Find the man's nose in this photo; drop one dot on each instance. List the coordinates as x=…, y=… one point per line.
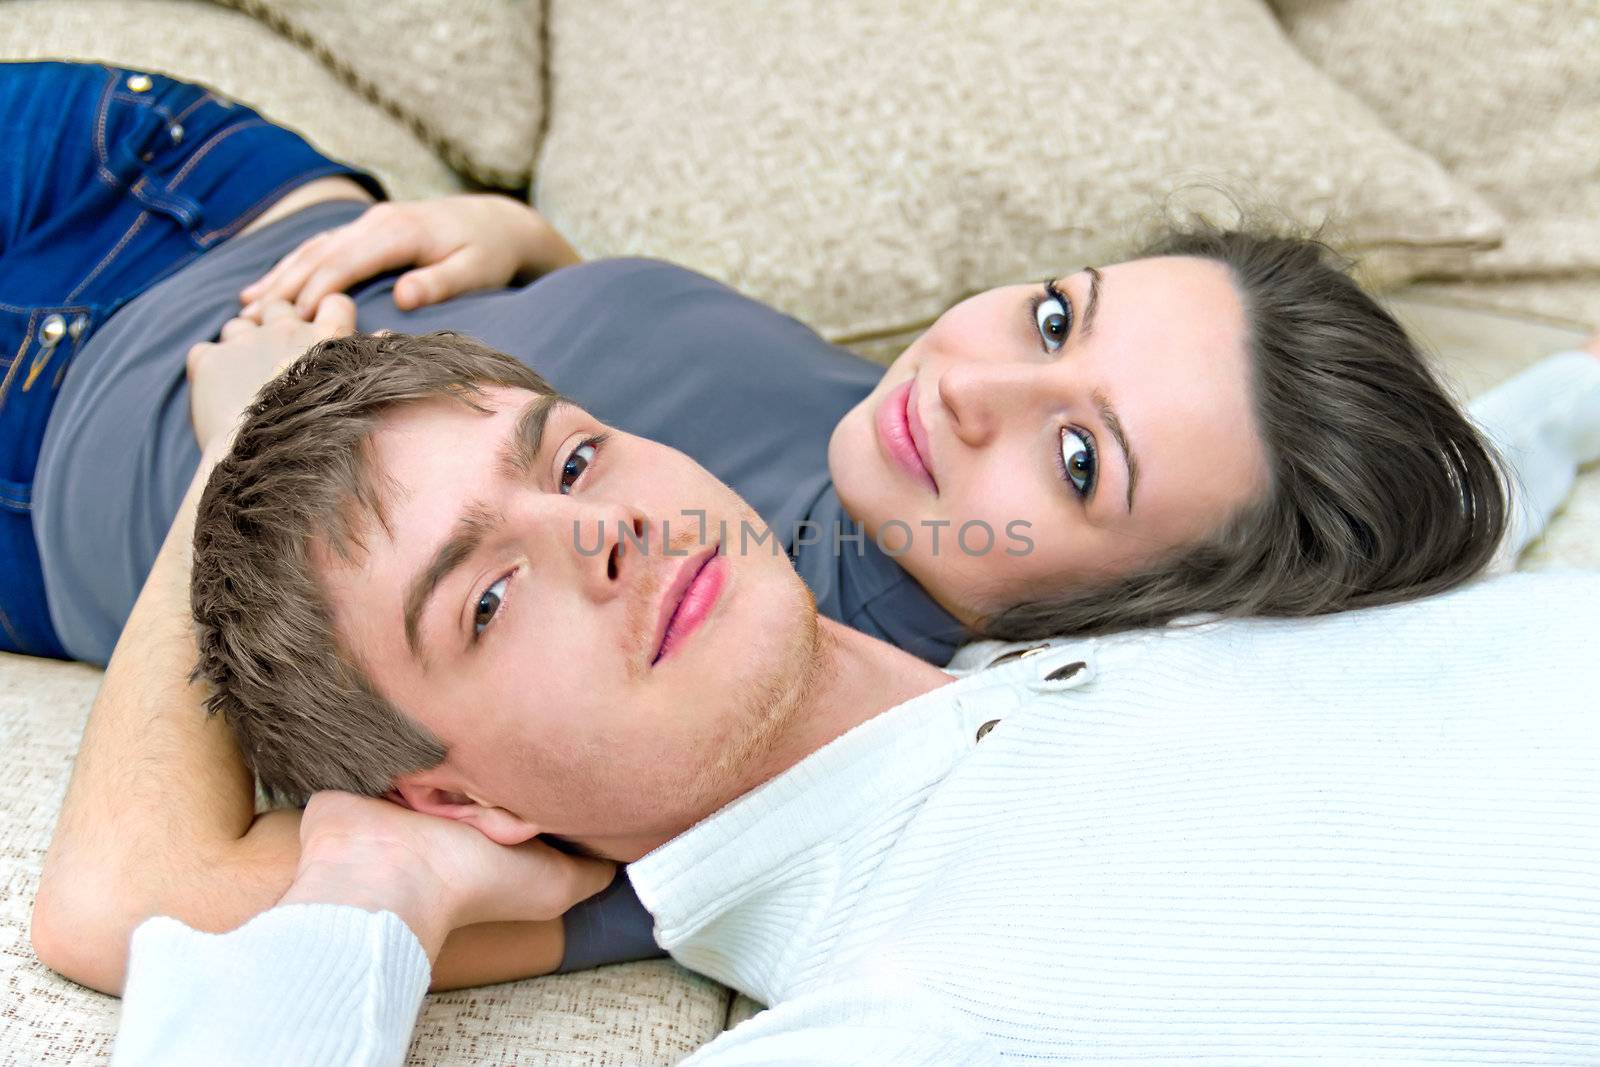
x=981, y=396
x=600, y=540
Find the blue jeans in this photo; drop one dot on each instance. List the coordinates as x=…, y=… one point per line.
x=109, y=181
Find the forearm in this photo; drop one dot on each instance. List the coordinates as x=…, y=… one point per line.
x=160, y=803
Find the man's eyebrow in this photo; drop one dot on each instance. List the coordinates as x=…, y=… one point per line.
x=520, y=454
x=517, y=459
x=470, y=530
x=1092, y=303
x=1109, y=416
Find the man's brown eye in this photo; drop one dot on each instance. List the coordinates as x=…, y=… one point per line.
x=488, y=604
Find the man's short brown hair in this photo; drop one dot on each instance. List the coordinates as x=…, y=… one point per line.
x=299, y=473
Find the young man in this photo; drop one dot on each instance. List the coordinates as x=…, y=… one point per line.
x=1369, y=835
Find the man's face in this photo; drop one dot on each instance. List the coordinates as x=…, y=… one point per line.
x=586, y=686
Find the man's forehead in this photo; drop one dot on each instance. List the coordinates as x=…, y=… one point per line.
x=410, y=437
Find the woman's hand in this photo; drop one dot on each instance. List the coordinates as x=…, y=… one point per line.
x=225, y=375
x=456, y=244
x=437, y=874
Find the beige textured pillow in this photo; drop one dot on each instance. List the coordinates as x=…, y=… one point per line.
x=239, y=57
x=1506, y=93
x=864, y=165
x=463, y=74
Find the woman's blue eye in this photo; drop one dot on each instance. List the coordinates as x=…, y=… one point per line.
x=1053, y=317
x=488, y=605
x=577, y=463
x=1078, y=460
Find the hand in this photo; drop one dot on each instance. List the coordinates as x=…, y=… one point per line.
x=1592, y=345
x=225, y=375
x=437, y=874
x=457, y=244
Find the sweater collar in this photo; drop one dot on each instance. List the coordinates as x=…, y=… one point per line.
x=739, y=896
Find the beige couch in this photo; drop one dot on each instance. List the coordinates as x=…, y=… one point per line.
x=863, y=166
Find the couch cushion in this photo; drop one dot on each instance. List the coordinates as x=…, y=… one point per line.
x=1505, y=93
x=863, y=166
x=239, y=57
x=642, y=1013
x=465, y=75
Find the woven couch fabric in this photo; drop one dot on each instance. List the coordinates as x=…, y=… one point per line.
x=464, y=75
x=44, y=1018
x=864, y=166
x=239, y=57
x=1504, y=93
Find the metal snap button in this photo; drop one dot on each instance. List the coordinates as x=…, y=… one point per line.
x=176, y=132
x=1065, y=671
x=983, y=731
x=79, y=324
x=139, y=83
x=53, y=330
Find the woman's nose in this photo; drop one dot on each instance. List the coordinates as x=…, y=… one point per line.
x=981, y=396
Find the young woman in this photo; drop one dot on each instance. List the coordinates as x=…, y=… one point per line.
x=1229, y=424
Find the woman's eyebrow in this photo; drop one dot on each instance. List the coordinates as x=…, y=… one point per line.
x=1108, y=416
x=1092, y=303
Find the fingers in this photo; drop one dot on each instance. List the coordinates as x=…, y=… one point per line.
x=387, y=237
x=276, y=311
x=459, y=272
x=356, y=256
x=234, y=328
x=289, y=273
x=336, y=314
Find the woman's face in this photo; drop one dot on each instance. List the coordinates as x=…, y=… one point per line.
x=1092, y=425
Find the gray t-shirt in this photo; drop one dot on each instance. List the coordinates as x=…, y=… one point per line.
x=648, y=347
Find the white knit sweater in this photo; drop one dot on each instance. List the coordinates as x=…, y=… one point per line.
x=1359, y=838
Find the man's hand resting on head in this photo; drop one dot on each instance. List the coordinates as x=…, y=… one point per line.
x=454, y=244
x=436, y=874
x=226, y=374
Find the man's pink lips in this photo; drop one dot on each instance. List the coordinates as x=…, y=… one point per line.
x=903, y=435
x=689, y=598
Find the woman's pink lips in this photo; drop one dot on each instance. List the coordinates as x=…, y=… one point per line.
x=899, y=428
x=689, y=600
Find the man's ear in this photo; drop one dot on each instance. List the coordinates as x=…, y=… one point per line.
x=497, y=824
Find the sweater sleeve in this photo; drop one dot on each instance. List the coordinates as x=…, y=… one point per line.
x=1545, y=423
x=886, y=1023
x=304, y=983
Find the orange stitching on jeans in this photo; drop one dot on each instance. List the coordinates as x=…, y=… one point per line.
x=109, y=256
x=5, y=624
x=177, y=179
x=16, y=360
x=205, y=97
